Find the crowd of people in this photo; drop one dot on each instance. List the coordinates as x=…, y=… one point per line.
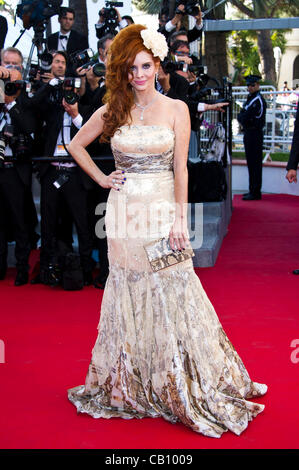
x=42, y=122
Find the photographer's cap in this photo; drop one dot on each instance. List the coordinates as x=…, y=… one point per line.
x=251, y=79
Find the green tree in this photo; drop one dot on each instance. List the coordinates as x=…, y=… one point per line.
x=266, y=9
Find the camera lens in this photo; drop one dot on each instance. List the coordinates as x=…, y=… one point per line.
x=99, y=70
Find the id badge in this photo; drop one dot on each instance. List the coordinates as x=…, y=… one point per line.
x=61, y=181
x=60, y=150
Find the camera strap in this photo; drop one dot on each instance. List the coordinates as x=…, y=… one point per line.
x=4, y=115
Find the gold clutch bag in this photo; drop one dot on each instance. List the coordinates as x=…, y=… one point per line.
x=161, y=256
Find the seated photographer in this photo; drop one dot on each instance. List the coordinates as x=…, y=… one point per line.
x=62, y=181
x=175, y=23
x=16, y=126
x=110, y=21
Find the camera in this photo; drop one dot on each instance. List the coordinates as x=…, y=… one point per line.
x=110, y=16
x=99, y=69
x=35, y=12
x=82, y=58
x=12, y=88
x=191, y=7
x=21, y=146
x=65, y=89
x=170, y=66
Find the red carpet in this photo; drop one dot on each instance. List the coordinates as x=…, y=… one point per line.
x=48, y=336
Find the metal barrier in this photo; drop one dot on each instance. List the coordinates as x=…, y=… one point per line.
x=280, y=119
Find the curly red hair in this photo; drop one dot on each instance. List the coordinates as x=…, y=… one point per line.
x=119, y=95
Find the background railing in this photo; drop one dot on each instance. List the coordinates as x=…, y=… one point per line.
x=280, y=119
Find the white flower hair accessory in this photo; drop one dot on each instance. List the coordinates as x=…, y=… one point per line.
x=156, y=42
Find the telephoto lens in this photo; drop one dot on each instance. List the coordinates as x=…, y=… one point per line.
x=99, y=69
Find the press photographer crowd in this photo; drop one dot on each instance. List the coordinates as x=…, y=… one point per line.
x=43, y=106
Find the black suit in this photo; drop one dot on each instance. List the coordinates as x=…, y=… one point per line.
x=76, y=42
x=99, y=195
x=252, y=118
x=294, y=155
x=73, y=193
x=15, y=187
x=3, y=31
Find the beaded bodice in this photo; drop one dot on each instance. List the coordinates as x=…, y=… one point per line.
x=143, y=149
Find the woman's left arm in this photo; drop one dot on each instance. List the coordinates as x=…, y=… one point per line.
x=178, y=236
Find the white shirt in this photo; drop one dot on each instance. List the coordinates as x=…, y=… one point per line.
x=5, y=119
x=60, y=150
x=62, y=43
x=169, y=26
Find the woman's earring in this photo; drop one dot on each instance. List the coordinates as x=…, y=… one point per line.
x=156, y=77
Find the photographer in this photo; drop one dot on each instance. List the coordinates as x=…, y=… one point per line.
x=110, y=20
x=67, y=39
x=187, y=7
x=171, y=84
x=11, y=56
x=16, y=126
x=92, y=99
x=61, y=182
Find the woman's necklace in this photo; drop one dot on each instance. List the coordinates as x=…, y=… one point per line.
x=143, y=108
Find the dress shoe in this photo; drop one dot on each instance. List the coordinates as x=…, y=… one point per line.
x=100, y=282
x=87, y=278
x=246, y=194
x=36, y=279
x=3, y=270
x=296, y=271
x=251, y=197
x=21, y=278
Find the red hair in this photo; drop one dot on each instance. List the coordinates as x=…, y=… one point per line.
x=119, y=94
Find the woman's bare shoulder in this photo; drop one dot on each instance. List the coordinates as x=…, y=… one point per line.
x=174, y=105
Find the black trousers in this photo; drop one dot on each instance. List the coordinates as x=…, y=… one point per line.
x=253, y=143
x=12, y=208
x=75, y=196
x=99, y=195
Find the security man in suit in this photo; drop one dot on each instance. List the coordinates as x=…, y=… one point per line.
x=252, y=118
x=67, y=39
x=61, y=182
x=292, y=165
x=16, y=126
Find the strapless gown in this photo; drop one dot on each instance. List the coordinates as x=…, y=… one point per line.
x=161, y=350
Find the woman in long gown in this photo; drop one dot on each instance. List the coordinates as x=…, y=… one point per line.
x=161, y=350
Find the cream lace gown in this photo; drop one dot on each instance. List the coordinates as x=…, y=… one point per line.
x=161, y=350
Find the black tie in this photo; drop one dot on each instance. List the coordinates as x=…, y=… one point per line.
x=63, y=37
